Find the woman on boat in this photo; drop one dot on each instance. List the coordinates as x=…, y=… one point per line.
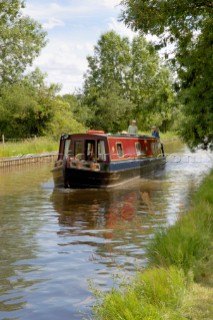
x=133, y=129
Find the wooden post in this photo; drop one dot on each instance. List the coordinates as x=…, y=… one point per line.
x=3, y=140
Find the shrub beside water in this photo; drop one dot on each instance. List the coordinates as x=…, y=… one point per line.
x=180, y=263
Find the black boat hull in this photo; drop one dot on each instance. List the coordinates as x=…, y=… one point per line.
x=110, y=175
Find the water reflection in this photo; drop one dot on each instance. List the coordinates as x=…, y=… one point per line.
x=115, y=223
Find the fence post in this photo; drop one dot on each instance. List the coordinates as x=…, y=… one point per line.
x=3, y=140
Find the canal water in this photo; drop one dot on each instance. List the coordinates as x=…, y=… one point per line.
x=56, y=244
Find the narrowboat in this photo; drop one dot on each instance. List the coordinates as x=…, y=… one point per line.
x=96, y=159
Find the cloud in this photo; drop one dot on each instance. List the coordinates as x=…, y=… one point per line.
x=52, y=23
x=64, y=63
x=74, y=28
x=109, y=3
x=69, y=9
x=121, y=29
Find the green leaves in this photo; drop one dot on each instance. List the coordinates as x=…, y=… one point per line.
x=125, y=80
x=187, y=24
x=21, y=40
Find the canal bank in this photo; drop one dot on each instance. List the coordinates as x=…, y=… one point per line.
x=28, y=159
x=178, y=281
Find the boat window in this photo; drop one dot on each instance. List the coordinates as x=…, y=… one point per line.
x=119, y=149
x=101, y=151
x=90, y=150
x=66, y=148
x=138, y=148
x=78, y=150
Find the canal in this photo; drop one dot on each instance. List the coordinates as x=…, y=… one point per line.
x=55, y=243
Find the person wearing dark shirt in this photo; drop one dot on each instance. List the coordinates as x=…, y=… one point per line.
x=155, y=133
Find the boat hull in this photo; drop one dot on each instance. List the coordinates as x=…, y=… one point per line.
x=109, y=175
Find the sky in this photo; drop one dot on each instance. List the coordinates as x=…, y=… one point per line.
x=74, y=28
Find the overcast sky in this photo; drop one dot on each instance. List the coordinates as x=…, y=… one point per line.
x=73, y=27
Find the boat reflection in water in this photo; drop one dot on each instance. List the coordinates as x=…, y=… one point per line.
x=114, y=223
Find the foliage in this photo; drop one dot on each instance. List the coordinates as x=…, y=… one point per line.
x=187, y=244
x=80, y=112
x=187, y=26
x=22, y=38
x=63, y=120
x=196, y=90
x=26, y=108
x=126, y=80
x=29, y=107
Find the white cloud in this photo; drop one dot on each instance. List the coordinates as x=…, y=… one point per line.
x=109, y=3
x=121, y=29
x=67, y=11
x=65, y=63
x=74, y=27
x=52, y=23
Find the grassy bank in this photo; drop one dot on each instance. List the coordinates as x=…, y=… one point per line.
x=28, y=146
x=178, y=283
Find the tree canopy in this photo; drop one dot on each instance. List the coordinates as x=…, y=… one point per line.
x=29, y=107
x=124, y=80
x=187, y=24
x=21, y=40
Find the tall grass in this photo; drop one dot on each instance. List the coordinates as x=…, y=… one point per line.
x=178, y=257
x=187, y=244
x=155, y=294
x=28, y=146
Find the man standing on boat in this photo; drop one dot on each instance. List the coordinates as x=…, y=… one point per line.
x=133, y=129
x=155, y=133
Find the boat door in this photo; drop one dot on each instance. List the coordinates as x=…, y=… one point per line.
x=90, y=150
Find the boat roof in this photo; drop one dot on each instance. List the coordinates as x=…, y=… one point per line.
x=102, y=133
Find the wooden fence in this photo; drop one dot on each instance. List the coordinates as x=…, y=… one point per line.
x=27, y=159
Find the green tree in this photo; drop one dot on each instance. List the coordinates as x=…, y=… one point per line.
x=21, y=40
x=29, y=107
x=63, y=120
x=25, y=109
x=126, y=80
x=80, y=111
x=196, y=90
x=150, y=84
x=188, y=26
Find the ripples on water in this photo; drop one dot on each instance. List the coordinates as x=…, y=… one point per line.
x=54, y=240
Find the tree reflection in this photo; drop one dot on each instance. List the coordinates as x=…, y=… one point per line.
x=116, y=223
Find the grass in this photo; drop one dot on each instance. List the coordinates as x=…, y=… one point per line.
x=28, y=146
x=164, y=136
x=178, y=282
x=188, y=243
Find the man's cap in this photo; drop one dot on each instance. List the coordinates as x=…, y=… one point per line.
x=153, y=127
x=133, y=121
